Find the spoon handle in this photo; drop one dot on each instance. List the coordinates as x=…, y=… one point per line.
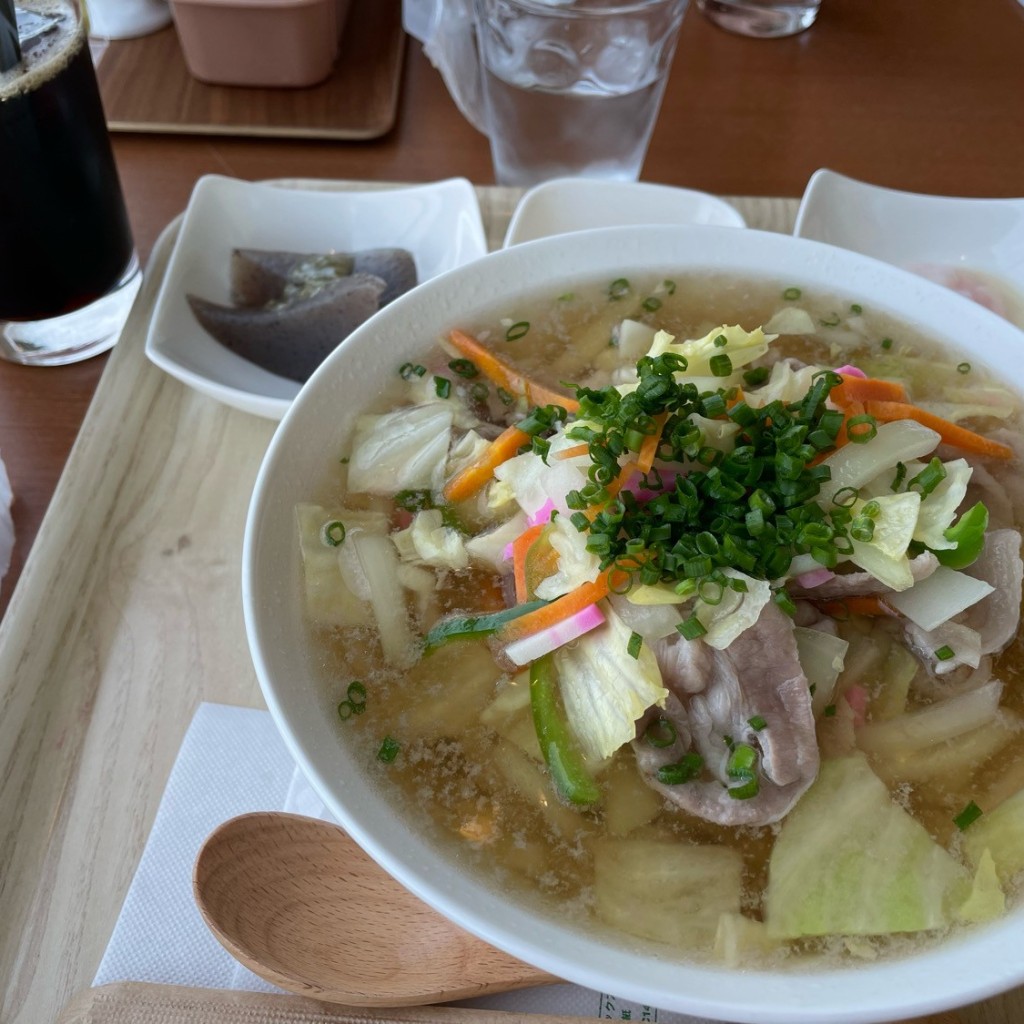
x=176, y=1004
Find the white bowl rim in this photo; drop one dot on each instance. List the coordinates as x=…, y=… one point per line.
x=964, y=969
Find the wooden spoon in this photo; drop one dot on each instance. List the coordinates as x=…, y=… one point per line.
x=301, y=905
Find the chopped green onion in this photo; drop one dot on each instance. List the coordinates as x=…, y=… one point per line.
x=479, y=391
x=388, y=750
x=756, y=375
x=832, y=321
x=355, y=704
x=928, y=479
x=720, y=341
x=517, y=330
x=830, y=711
x=651, y=304
x=963, y=368
x=945, y=653
x=684, y=770
x=856, y=308
x=757, y=723
x=691, y=628
x=618, y=289
x=968, y=816
x=506, y=397
x=661, y=733
x=442, y=387
x=669, y=287
x=720, y=365
x=464, y=368
x=333, y=533
x=861, y=429
x=791, y=294
x=886, y=343
x=636, y=641
x=410, y=370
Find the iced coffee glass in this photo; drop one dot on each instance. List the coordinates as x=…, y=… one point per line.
x=68, y=269
x=573, y=87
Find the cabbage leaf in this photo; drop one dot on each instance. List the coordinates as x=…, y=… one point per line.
x=605, y=689
x=850, y=861
x=405, y=449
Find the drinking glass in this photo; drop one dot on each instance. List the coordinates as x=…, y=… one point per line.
x=767, y=19
x=573, y=87
x=68, y=268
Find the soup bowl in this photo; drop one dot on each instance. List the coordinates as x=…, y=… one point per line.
x=966, y=967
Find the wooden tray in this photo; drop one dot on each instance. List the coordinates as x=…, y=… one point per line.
x=146, y=87
x=127, y=616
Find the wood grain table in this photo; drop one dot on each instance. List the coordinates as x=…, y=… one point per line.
x=107, y=647
x=923, y=95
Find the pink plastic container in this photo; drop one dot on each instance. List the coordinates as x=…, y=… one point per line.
x=269, y=43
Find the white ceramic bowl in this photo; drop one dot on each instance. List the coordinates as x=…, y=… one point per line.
x=439, y=223
x=577, y=204
x=964, y=969
x=975, y=246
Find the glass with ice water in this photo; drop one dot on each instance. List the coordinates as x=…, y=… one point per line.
x=573, y=87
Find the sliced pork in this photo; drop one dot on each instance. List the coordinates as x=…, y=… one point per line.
x=715, y=696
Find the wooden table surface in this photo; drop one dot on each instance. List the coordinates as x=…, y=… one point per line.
x=920, y=95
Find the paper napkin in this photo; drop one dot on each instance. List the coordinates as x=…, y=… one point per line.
x=232, y=761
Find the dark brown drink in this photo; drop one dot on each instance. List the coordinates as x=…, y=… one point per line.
x=64, y=234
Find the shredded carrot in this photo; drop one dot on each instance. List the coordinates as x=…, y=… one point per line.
x=573, y=452
x=507, y=376
x=871, y=606
x=951, y=433
x=557, y=611
x=867, y=389
x=478, y=473
x=649, y=449
x=520, y=546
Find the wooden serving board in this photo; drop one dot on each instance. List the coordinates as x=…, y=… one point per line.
x=146, y=87
x=127, y=616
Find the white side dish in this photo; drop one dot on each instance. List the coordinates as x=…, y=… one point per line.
x=575, y=204
x=438, y=223
x=974, y=246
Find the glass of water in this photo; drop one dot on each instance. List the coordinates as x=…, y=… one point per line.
x=767, y=19
x=573, y=87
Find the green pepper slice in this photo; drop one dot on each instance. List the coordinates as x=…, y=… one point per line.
x=468, y=627
x=565, y=763
x=969, y=534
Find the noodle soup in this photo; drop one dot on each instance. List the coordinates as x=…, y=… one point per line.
x=717, y=650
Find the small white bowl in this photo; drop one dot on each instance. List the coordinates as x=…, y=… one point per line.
x=438, y=223
x=966, y=968
x=974, y=246
x=575, y=204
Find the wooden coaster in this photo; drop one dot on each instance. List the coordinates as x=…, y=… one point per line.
x=146, y=87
